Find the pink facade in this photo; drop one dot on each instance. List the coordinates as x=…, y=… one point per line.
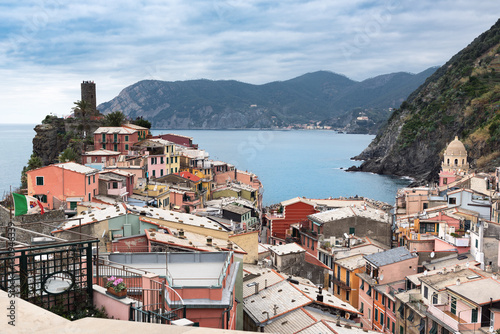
x=399, y=270
x=156, y=166
x=62, y=185
x=443, y=245
x=178, y=139
x=446, y=178
x=118, y=139
x=100, y=156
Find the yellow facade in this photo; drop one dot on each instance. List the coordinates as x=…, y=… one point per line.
x=173, y=159
x=347, y=286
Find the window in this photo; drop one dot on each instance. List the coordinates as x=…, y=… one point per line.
x=347, y=295
x=383, y=300
x=39, y=180
x=351, y=230
x=154, y=173
x=93, y=178
x=42, y=198
x=126, y=139
x=477, y=243
x=171, y=170
x=393, y=307
x=103, y=146
x=175, y=159
x=115, y=185
x=474, y=315
x=115, y=148
x=89, y=179
x=453, y=307
x=401, y=330
x=376, y=295
x=161, y=160
x=362, y=307
x=452, y=200
x=362, y=286
x=369, y=292
x=115, y=137
x=381, y=319
x=421, y=327
x=434, y=328
x=434, y=298
x=425, y=206
x=426, y=292
x=369, y=314
x=126, y=147
x=411, y=316
x=176, y=169
x=338, y=290
x=376, y=314
x=103, y=138
x=171, y=160
x=161, y=172
x=401, y=310
x=393, y=327
x=347, y=278
x=338, y=272
x=72, y=205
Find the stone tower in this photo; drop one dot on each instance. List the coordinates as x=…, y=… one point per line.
x=88, y=95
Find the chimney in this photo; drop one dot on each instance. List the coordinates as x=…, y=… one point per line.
x=319, y=297
x=229, y=245
x=181, y=233
x=209, y=241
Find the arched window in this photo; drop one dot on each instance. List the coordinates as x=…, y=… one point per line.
x=456, y=162
x=463, y=162
x=448, y=162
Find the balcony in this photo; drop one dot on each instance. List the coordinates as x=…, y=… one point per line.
x=445, y=316
x=340, y=283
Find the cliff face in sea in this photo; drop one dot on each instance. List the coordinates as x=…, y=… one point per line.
x=313, y=97
x=462, y=98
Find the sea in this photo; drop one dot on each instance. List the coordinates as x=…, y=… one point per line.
x=289, y=163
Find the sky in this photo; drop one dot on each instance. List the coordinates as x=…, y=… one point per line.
x=48, y=47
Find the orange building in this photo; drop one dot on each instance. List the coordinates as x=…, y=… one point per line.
x=62, y=186
x=118, y=139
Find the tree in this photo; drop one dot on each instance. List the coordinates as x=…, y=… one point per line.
x=33, y=163
x=68, y=154
x=142, y=122
x=116, y=118
x=82, y=113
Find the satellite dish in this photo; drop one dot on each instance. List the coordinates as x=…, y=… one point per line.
x=467, y=264
x=346, y=235
x=432, y=255
x=381, y=277
x=425, y=272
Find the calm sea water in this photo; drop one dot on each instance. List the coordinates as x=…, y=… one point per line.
x=297, y=162
x=289, y=163
x=15, y=150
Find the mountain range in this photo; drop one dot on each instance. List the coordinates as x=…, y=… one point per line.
x=310, y=98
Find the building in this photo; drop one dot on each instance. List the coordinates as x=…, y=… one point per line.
x=207, y=282
x=382, y=268
x=240, y=215
x=289, y=212
x=454, y=162
x=118, y=139
x=117, y=184
x=63, y=185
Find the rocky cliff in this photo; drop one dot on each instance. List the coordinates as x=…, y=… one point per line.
x=462, y=98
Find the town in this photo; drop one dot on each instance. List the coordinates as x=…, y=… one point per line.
x=150, y=231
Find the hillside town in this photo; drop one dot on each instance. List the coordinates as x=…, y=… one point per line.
x=149, y=230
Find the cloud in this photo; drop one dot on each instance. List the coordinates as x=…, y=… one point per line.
x=48, y=47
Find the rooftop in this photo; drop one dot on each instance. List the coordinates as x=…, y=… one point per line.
x=282, y=297
x=290, y=323
x=448, y=277
x=262, y=276
x=73, y=166
x=101, y=152
x=352, y=262
x=390, y=256
x=236, y=209
x=328, y=299
x=346, y=212
x=114, y=129
x=481, y=291
x=291, y=248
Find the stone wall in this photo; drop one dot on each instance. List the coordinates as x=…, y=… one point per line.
x=365, y=227
x=295, y=264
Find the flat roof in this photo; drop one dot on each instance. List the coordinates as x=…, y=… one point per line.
x=75, y=167
x=352, y=262
x=236, y=209
x=480, y=291
x=286, y=249
x=441, y=281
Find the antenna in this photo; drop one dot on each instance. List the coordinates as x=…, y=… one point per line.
x=382, y=277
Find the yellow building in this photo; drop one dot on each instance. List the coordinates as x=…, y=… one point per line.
x=345, y=282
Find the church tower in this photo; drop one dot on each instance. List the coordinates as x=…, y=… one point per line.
x=454, y=162
x=89, y=96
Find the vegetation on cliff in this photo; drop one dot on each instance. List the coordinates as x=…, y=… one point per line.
x=462, y=98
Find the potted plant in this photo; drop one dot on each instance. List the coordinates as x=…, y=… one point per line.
x=116, y=287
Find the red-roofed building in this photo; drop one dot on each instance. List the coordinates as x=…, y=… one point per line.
x=292, y=211
x=189, y=176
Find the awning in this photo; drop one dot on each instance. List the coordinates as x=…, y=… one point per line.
x=74, y=199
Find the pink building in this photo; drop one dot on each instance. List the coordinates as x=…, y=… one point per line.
x=178, y=139
x=382, y=268
x=62, y=186
x=100, y=157
x=116, y=183
x=118, y=139
x=204, y=280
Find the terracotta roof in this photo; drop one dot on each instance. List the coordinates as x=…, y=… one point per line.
x=189, y=176
x=313, y=260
